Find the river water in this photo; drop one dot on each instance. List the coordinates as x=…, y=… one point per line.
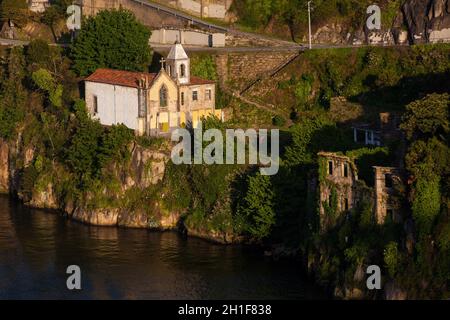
x=36, y=247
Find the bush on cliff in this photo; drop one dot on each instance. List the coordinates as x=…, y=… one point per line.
x=12, y=94
x=111, y=39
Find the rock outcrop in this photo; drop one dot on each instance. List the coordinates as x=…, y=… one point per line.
x=427, y=21
x=4, y=167
x=145, y=168
x=418, y=21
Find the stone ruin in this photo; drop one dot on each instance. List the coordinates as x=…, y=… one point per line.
x=339, y=173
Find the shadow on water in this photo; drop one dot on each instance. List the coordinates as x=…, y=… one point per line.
x=36, y=247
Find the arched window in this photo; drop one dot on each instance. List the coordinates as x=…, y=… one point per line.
x=163, y=97
x=182, y=70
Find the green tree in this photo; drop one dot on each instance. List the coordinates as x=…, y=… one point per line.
x=81, y=154
x=391, y=258
x=111, y=39
x=45, y=81
x=38, y=53
x=256, y=212
x=13, y=95
x=203, y=66
x=426, y=203
x=114, y=144
x=311, y=135
x=428, y=116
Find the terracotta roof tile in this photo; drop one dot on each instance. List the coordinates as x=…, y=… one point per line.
x=120, y=77
x=131, y=78
x=197, y=80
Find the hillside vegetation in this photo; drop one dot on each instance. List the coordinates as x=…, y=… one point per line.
x=78, y=158
x=290, y=17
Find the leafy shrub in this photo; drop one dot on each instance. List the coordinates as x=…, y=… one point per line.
x=117, y=29
x=256, y=210
x=278, y=121
x=391, y=258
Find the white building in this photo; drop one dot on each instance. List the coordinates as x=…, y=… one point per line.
x=151, y=103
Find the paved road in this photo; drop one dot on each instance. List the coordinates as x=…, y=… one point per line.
x=211, y=26
x=10, y=42
x=165, y=47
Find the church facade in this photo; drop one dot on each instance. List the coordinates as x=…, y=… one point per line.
x=152, y=104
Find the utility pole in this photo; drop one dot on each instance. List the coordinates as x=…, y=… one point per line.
x=309, y=24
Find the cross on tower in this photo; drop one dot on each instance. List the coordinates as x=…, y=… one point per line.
x=162, y=61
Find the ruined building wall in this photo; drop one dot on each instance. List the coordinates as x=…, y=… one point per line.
x=386, y=196
x=338, y=175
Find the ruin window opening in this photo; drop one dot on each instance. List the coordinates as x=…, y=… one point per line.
x=389, y=215
x=330, y=168
x=388, y=181
x=345, y=170
x=360, y=136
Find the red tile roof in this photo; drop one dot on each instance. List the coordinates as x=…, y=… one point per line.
x=197, y=80
x=120, y=77
x=131, y=78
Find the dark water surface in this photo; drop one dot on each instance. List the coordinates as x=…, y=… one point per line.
x=36, y=247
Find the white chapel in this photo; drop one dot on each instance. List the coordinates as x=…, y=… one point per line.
x=152, y=103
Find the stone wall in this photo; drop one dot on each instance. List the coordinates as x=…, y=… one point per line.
x=187, y=37
x=339, y=174
x=386, y=197
x=238, y=68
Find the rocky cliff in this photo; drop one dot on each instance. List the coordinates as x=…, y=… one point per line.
x=427, y=21
x=144, y=170
x=416, y=21
x=130, y=196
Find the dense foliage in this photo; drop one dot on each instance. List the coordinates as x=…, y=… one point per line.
x=111, y=39
x=40, y=110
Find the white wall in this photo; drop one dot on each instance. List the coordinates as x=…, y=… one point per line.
x=187, y=37
x=116, y=104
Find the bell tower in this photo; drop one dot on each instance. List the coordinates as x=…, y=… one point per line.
x=178, y=64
